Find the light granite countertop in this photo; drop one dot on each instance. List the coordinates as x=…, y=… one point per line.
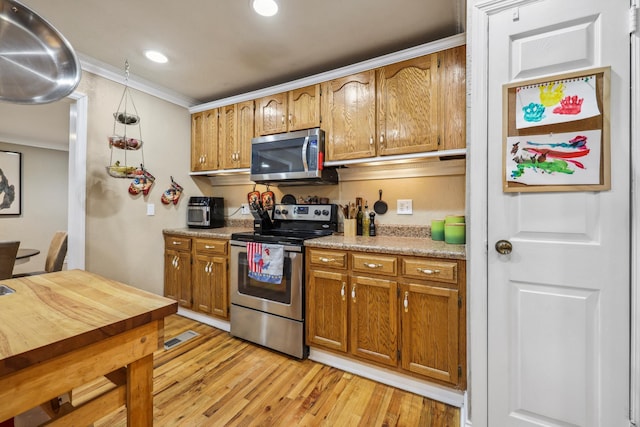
x=419, y=246
x=207, y=233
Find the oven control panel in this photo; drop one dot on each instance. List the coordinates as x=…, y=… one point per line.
x=305, y=212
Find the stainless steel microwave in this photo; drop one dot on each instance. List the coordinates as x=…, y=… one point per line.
x=292, y=158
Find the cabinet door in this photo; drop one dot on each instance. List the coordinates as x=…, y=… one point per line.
x=407, y=94
x=245, y=132
x=218, y=272
x=349, y=116
x=271, y=112
x=304, y=107
x=197, y=141
x=430, y=331
x=227, y=136
x=327, y=309
x=452, y=100
x=204, y=140
x=177, y=276
x=170, y=275
x=374, y=319
x=210, y=294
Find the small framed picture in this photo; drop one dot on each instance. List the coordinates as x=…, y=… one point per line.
x=10, y=183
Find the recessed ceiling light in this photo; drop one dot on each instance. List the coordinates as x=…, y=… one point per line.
x=265, y=7
x=156, y=56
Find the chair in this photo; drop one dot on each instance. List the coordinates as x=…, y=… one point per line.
x=8, y=252
x=55, y=255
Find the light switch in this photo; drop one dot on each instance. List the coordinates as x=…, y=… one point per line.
x=151, y=209
x=405, y=207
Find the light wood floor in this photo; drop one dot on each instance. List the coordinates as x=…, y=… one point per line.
x=217, y=380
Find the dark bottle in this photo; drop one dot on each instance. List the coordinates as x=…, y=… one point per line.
x=372, y=224
x=359, y=216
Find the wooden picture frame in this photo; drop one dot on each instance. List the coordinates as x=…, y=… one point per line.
x=571, y=153
x=10, y=183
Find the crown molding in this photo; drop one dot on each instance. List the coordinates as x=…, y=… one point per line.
x=370, y=64
x=48, y=145
x=94, y=66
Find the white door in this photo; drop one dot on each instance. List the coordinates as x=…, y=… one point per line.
x=558, y=304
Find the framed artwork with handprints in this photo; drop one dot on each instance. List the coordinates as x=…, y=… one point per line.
x=556, y=133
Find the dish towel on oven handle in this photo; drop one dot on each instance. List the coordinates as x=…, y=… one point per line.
x=265, y=262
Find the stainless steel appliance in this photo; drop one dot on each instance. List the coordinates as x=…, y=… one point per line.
x=271, y=314
x=205, y=212
x=293, y=158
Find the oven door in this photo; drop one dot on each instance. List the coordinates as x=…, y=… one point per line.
x=285, y=299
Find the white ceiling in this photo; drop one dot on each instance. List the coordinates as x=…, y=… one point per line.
x=221, y=48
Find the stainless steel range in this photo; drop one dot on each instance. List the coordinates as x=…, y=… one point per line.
x=265, y=310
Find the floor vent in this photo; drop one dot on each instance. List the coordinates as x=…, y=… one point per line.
x=183, y=337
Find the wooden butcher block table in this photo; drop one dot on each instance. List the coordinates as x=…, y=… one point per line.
x=61, y=330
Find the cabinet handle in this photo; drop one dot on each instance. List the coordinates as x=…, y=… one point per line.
x=177, y=264
x=427, y=271
x=173, y=261
x=371, y=140
x=369, y=265
x=353, y=293
x=405, y=303
x=209, y=247
x=175, y=243
x=290, y=118
x=207, y=269
x=381, y=138
x=283, y=119
x=342, y=291
x=323, y=259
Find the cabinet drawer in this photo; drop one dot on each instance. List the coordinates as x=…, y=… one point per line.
x=380, y=264
x=177, y=243
x=427, y=269
x=211, y=246
x=333, y=259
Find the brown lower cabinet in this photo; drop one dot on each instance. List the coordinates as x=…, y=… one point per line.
x=401, y=312
x=196, y=274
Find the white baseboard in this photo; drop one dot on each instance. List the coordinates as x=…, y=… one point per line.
x=404, y=382
x=211, y=321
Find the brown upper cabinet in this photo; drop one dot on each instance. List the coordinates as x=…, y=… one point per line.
x=408, y=107
x=204, y=140
x=349, y=114
x=407, y=95
x=236, y=131
x=453, y=98
x=288, y=111
x=413, y=106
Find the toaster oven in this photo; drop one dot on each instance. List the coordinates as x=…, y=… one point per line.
x=205, y=212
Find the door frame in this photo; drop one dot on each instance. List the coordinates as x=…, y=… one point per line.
x=478, y=14
x=76, y=210
x=634, y=392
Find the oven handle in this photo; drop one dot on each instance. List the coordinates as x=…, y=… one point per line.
x=287, y=248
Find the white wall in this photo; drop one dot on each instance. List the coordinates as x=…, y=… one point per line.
x=44, y=202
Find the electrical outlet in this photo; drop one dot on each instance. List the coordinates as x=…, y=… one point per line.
x=245, y=209
x=151, y=209
x=405, y=207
